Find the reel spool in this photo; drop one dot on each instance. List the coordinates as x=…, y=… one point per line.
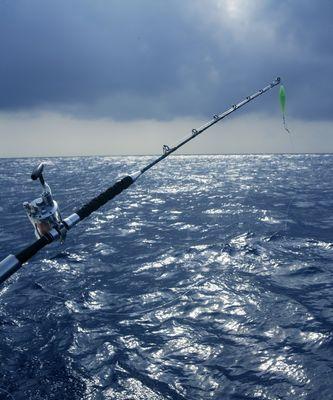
x=43, y=212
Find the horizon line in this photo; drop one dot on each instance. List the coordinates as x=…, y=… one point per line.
x=174, y=155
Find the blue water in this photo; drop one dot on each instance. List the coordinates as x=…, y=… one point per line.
x=210, y=278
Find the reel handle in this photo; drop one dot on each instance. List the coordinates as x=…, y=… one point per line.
x=37, y=173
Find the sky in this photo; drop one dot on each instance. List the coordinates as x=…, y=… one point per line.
x=86, y=77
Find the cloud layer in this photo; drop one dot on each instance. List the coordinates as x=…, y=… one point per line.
x=128, y=60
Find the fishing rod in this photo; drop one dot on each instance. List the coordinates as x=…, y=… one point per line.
x=44, y=212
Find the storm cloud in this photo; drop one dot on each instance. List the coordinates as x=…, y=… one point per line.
x=155, y=59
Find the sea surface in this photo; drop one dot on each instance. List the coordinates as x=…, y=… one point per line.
x=209, y=278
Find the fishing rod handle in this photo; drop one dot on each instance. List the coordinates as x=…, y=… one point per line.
x=104, y=197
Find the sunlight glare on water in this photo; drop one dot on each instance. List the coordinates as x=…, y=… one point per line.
x=210, y=278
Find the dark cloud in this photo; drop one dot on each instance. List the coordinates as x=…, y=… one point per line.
x=161, y=59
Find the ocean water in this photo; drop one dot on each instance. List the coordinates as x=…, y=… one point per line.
x=210, y=278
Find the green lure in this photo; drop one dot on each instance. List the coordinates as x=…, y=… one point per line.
x=282, y=97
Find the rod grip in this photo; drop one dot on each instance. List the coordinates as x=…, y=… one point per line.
x=104, y=197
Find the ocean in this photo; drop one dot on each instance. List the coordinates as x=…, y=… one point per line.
x=209, y=278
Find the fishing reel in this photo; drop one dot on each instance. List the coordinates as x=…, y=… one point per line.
x=43, y=212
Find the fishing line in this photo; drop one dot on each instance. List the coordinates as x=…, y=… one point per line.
x=7, y=393
x=195, y=285
x=295, y=155
x=284, y=123
x=282, y=100
x=145, y=311
x=166, y=303
x=87, y=209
